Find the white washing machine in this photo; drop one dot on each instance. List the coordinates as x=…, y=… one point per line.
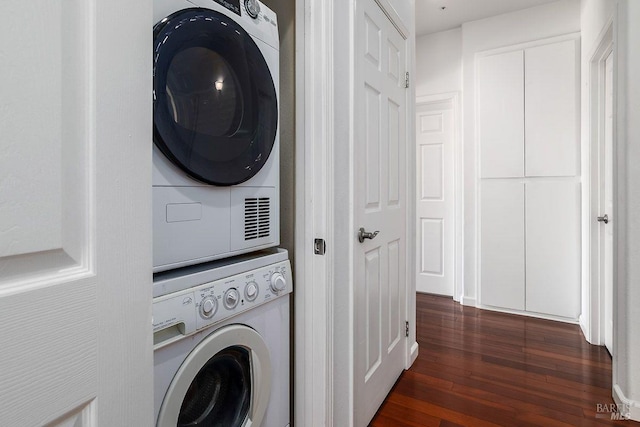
x=221, y=344
x=216, y=141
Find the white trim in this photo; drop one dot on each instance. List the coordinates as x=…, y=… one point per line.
x=413, y=354
x=412, y=346
x=429, y=99
x=527, y=45
x=632, y=405
x=592, y=292
x=312, y=373
x=583, y=326
x=340, y=212
x=393, y=16
x=471, y=302
x=458, y=185
x=529, y=314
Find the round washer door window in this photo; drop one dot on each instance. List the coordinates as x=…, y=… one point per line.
x=224, y=382
x=215, y=109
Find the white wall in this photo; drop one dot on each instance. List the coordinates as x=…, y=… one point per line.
x=439, y=63
x=540, y=22
x=285, y=9
x=626, y=360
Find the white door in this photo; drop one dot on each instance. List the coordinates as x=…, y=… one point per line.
x=380, y=206
x=434, y=166
x=606, y=205
x=75, y=241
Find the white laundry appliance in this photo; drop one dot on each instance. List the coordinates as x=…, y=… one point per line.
x=221, y=343
x=216, y=140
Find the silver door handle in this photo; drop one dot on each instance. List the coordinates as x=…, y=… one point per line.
x=604, y=219
x=366, y=235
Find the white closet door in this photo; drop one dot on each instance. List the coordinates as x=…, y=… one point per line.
x=553, y=247
x=552, y=108
x=502, y=271
x=75, y=209
x=500, y=115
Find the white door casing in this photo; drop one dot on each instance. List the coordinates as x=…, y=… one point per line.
x=606, y=203
x=75, y=234
x=435, y=197
x=380, y=205
x=596, y=307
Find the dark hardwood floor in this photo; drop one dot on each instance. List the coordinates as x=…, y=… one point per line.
x=482, y=368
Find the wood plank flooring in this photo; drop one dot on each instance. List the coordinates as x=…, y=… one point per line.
x=481, y=368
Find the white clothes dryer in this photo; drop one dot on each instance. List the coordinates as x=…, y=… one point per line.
x=221, y=348
x=216, y=141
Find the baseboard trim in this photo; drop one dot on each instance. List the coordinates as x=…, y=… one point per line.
x=529, y=314
x=586, y=331
x=468, y=301
x=414, y=354
x=631, y=406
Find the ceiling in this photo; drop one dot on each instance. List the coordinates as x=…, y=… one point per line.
x=431, y=18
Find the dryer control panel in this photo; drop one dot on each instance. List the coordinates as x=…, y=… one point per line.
x=183, y=313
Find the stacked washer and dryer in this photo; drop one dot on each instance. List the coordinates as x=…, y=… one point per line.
x=221, y=287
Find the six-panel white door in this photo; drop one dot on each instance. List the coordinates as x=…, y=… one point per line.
x=434, y=166
x=75, y=239
x=380, y=205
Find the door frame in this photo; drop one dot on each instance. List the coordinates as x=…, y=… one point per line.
x=593, y=323
x=458, y=183
x=325, y=134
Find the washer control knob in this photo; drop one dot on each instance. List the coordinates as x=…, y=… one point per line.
x=252, y=7
x=208, y=307
x=251, y=291
x=278, y=283
x=231, y=298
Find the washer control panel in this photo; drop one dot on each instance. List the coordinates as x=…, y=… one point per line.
x=182, y=313
x=252, y=7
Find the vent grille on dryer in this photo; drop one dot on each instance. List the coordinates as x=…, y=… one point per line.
x=257, y=217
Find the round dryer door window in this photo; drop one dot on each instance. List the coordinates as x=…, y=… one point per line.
x=215, y=106
x=224, y=382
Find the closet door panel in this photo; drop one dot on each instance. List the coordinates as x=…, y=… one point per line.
x=500, y=115
x=551, y=110
x=502, y=270
x=553, y=248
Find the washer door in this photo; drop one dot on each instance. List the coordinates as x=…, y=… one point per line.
x=224, y=382
x=215, y=110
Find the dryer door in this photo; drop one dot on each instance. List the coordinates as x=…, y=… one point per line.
x=215, y=108
x=223, y=382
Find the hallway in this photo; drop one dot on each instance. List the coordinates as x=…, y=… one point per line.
x=483, y=368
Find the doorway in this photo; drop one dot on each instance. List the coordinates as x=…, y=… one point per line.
x=435, y=133
x=602, y=209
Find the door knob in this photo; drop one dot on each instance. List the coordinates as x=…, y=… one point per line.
x=366, y=235
x=604, y=219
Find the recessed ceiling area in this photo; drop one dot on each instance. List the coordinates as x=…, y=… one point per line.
x=431, y=17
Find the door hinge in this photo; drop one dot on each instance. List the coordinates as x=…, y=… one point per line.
x=319, y=247
x=406, y=329
x=406, y=79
